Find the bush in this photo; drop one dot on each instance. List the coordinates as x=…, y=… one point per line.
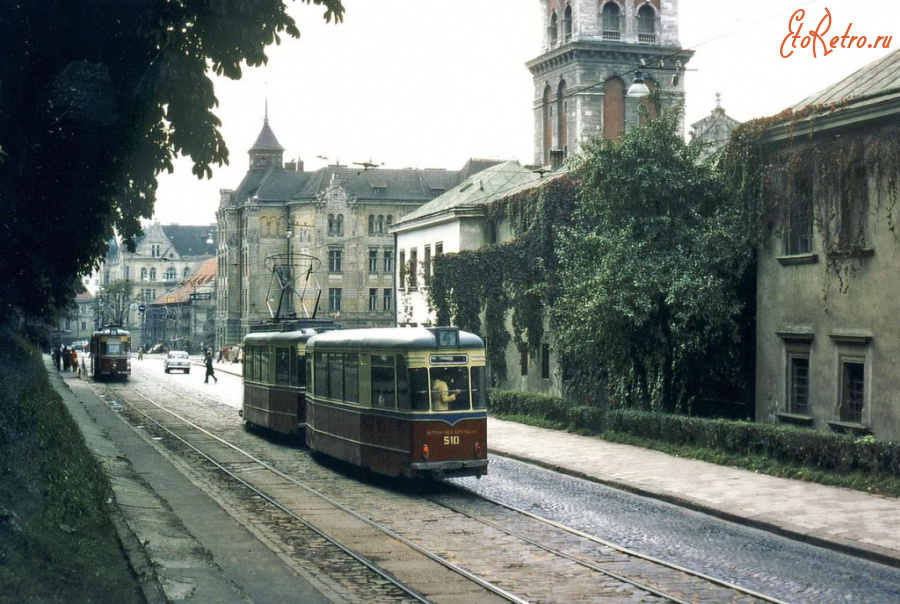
x=800, y=447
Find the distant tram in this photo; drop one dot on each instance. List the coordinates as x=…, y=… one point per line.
x=111, y=353
x=401, y=401
x=275, y=374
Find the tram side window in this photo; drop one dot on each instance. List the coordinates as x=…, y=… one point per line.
x=420, y=393
x=479, y=388
x=263, y=366
x=298, y=375
x=351, y=378
x=449, y=389
x=321, y=373
x=383, y=393
x=335, y=375
x=402, y=383
x=282, y=366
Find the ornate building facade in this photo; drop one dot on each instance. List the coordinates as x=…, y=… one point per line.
x=304, y=244
x=593, y=51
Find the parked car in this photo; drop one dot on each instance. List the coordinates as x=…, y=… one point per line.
x=177, y=360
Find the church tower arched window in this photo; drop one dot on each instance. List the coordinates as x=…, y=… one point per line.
x=553, y=30
x=613, y=109
x=547, y=124
x=646, y=24
x=562, y=109
x=567, y=24
x=611, y=21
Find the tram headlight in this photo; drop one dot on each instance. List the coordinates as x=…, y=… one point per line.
x=425, y=452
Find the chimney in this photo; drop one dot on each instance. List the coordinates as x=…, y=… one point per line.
x=556, y=159
x=299, y=165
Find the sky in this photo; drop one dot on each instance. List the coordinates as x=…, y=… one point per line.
x=432, y=83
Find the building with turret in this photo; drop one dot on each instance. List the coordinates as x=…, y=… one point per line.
x=297, y=243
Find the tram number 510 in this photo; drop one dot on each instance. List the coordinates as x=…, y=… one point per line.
x=451, y=440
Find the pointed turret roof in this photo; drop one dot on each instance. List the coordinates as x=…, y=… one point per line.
x=266, y=140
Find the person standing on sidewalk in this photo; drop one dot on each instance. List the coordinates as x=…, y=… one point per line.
x=209, y=368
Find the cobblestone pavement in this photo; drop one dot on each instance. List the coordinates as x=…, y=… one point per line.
x=851, y=521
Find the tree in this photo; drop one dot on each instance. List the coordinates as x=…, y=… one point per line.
x=652, y=301
x=113, y=303
x=96, y=99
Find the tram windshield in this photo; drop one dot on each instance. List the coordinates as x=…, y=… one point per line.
x=450, y=389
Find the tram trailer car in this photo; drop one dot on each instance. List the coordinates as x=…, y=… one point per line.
x=406, y=402
x=111, y=353
x=275, y=380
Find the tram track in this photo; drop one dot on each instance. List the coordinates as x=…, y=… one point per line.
x=657, y=580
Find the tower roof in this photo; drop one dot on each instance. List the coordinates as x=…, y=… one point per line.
x=266, y=140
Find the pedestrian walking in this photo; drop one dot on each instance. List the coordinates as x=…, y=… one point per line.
x=210, y=373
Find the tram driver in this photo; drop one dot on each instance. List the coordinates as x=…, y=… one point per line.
x=441, y=395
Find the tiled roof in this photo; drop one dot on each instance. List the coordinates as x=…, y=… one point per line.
x=494, y=183
x=878, y=78
x=204, y=277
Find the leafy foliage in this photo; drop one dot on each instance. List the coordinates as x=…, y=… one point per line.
x=651, y=301
x=97, y=97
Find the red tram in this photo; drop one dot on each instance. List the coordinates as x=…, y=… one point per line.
x=111, y=353
x=275, y=374
x=399, y=401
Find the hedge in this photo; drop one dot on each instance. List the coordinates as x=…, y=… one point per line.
x=790, y=445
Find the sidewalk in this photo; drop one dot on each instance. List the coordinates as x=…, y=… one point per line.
x=853, y=522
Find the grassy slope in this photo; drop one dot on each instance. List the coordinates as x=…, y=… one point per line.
x=57, y=543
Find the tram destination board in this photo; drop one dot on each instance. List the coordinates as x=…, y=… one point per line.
x=205, y=296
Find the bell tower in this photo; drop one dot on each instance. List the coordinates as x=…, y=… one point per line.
x=593, y=51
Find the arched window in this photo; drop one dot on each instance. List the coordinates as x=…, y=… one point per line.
x=153, y=274
x=331, y=225
x=613, y=109
x=553, y=30
x=380, y=224
x=143, y=274
x=390, y=221
x=562, y=105
x=611, y=22
x=646, y=21
x=170, y=273
x=567, y=24
x=547, y=123
x=185, y=273
x=371, y=224
x=339, y=225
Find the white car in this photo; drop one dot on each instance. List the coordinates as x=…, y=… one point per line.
x=177, y=360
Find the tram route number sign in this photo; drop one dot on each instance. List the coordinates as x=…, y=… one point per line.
x=201, y=296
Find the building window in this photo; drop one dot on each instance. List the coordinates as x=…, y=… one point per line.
x=389, y=221
x=331, y=229
x=852, y=390
x=854, y=209
x=612, y=21
x=153, y=274
x=371, y=224
x=799, y=227
x=380, y=224
x=335, y=261
x=547, y=125
x=373, y=261
x=387, y=298
x=427, y=263
x=523, y=362
x=562, y=133
x=373, y=299
x=334, y=299
x=143, y=274
x=127, y=273
x=554, y=29
x=798, y=368
x=413, y=268
x=388, y=261
x=185, y=273
x=438, y=249
x=170, y=273
x=646, y=25
x=545, y=361
x=339, y=225
x=402, y=279
x=567, y=24
x=613, y=109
